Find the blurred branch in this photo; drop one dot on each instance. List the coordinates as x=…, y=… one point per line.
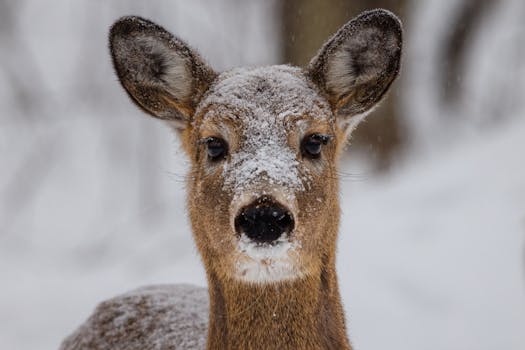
x=26, y=180
x=463, y=29
x=30, y=92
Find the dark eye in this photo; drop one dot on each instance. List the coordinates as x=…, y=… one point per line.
x=312, y=144
x=217, y=148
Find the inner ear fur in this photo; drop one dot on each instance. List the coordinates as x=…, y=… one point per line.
x=358, y=64
x=161, y=73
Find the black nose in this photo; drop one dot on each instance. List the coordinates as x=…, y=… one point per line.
x=264, y=221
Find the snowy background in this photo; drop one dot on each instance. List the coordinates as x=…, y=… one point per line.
x=431, y=253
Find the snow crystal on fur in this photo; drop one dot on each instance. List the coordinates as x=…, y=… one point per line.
x=149, y=318
x=267, y=100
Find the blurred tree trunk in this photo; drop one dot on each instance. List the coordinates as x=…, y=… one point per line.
x=306, y=25
x=464, y=26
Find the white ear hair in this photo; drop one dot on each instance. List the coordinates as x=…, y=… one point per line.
x=176, y=75
x=357, y=61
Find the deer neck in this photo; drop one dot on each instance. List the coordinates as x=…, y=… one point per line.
x=301, y=314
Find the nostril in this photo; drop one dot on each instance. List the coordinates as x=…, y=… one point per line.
x=284, y=219
x=281, y=219
x=264, y=223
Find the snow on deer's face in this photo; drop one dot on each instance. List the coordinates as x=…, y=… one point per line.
x=263, y=142
x=266, y=149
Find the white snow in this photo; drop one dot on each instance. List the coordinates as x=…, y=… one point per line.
x=433, y=256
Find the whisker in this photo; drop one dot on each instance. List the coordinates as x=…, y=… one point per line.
x=345, y=176
x=177, y=177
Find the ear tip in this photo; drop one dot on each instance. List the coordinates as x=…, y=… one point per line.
x=127, y=25
x=380, y=12
x=382, y=18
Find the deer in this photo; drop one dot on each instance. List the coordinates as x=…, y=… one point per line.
x=262, y=191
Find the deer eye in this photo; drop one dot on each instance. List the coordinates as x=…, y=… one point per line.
x=217, y=148
x=312, y=144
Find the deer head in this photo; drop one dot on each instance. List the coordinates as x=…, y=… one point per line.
x=263, y=142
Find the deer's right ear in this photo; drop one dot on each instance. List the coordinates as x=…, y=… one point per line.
x=161, y=74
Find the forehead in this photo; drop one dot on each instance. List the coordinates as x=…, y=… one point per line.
x=273, y=94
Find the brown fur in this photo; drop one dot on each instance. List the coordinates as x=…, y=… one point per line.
x=349, y=76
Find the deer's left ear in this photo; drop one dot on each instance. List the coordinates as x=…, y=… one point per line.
x=358, y=64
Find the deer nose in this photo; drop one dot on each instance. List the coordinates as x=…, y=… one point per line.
x=264, y=221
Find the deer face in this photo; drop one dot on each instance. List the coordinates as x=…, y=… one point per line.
x=265, y=149
x=263, y=142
